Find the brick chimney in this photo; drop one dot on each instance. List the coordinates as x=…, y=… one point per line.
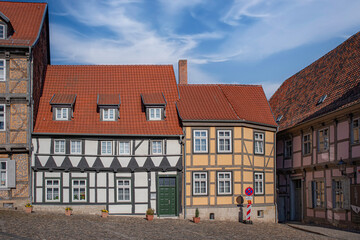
x=183, y=71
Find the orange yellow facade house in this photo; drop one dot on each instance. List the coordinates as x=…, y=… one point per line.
x=229, y=145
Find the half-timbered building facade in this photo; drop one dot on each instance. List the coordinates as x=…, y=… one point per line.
x=24, y=56
x=318, y=151
x=108, y=137
x=229, y=145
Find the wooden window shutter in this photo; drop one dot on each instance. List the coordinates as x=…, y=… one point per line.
x=310, y=194
x=346, y=192
x=11, y=173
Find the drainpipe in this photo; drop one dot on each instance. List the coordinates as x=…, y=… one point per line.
x=182, y=143
x=30, y=120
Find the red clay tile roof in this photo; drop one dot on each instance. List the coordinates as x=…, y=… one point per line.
x=224, y=103
x=128, y=81
x=26, y=19
x=153, y=99
x=60, y=98
x=108, y=99
x=337, y=75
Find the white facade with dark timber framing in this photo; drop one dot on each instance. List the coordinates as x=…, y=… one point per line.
x=108, y=137
x=103, y=175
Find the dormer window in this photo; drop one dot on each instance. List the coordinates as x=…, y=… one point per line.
x=155, y=113
x=109, y=114
x=62, y=106
x=108, y=106
x=322, y=99
x=155, y=104
x=2, y=32
x=62, y=113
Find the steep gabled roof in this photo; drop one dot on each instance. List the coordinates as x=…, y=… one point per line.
x=218, y=102
x=26, y=20
x=125, y=80
x=336, y=75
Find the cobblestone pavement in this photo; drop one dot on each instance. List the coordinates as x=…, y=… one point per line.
x=19, y=225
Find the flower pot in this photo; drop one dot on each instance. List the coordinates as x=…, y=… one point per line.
x=28, y=209
x=149, y=217
x=196, y=219
x=104, y=214
x=68, y=212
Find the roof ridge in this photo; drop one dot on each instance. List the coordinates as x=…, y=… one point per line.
x=231, y=106
x=105, y=65
x=25, y=2
x=221, y=84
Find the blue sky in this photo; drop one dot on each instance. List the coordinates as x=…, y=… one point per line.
x=228, y=41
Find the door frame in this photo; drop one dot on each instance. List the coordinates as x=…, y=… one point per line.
x=176, y=194
x=292, y=199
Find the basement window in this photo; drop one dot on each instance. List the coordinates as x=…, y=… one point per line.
x=322, y=99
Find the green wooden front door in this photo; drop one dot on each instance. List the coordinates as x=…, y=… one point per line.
x=167, y=196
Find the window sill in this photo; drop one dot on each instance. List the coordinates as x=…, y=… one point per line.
x=307, y=155
x=339, y=210
x=355, y=144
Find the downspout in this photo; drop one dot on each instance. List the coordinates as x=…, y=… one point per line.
x=182, y=143
x=31, y=114
x=275, y=179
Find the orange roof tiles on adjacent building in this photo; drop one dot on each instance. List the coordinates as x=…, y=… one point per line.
x=336, y=75
x=219, y=102
x=128, y=81
x=26, y=20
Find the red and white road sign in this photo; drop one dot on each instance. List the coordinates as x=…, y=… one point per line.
x=249, y=191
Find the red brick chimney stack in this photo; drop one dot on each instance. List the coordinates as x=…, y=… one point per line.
x=183, y=71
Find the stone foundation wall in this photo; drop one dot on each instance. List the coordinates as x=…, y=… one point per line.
x=77, y=209
x=233, y=213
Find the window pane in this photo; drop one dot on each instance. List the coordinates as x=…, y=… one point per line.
x=3, y=165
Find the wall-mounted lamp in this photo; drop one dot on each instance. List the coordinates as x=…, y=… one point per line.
x=342, y=166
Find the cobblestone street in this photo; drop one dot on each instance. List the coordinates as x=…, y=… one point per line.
x=19, y=225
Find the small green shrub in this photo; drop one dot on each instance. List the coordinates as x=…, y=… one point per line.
x=197, y=213
x=68, y=209
x=150, y=211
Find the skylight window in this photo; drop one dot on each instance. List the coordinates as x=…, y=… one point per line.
x=322, y=99
x=279, y=118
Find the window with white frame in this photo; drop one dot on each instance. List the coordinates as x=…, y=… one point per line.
x=200, y=141
x=52, y=190
x=79, y=190
x=3, y=174
x=62, y=113
x=75, y=146
x=356, y=131
x=123, y=190
x=2, y=31
x=259, y=143
x=109, y=114
x=154, y=113
x=323, y=140
x=224, y=141
x=306, y=144
x=2, y=70
x=2, y=117
x=200, y=183
x=156, y=147
x=288, y=148
x=224, y=182
x=124, y=147
x=106, y=147
x=59, y=146
x=258, y=183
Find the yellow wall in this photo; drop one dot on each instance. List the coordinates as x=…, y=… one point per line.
x=241, y=163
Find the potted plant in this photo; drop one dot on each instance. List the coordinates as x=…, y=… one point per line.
x=196, y=219
x=28, y=208
x=104, y=213
x=68, y=211
x=150, y=214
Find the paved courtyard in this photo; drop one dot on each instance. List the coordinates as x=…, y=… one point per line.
x=19, y=225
